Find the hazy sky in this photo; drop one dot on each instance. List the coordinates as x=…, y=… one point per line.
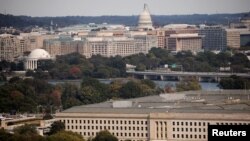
x=120, y=7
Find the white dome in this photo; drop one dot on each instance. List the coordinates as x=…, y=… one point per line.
x=39, y=54
x=145, y=21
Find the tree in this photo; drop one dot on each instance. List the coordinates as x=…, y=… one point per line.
x=90, y=95
x=75, y=72
x=187, y=85
x=105, y=136
x=4, y=135
x=131, y=90
x=148, y=82
x=25, y=130
x=65, y=136
x=234, y=82
x=56, y=127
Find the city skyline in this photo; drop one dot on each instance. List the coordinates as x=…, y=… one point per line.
x=120, y=7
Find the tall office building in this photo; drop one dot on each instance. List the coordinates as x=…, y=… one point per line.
x=164, y=33
x=9, y=47
x=214, y=38
x=185, y=42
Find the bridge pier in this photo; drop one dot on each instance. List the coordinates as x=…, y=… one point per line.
x=162, y=77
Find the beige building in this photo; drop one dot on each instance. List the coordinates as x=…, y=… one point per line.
x=167, y=117
x=164, y=33
x=185, y=42
x=112, y=46
x=9, y=47
x=233, y=38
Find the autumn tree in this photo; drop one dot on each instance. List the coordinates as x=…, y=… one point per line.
x=104, y=136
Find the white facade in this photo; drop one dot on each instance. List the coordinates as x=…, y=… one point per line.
x=159, y=118
x=145, y=22
x=37, y=54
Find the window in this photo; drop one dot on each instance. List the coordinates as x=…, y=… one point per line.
x=173, y=129
x=173, y=135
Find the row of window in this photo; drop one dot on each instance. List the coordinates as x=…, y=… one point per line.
x=106, y=122
x=108, y=128
x=233, y=123
x=189, y=123
x=189, y=129
x=143, y=135
x=187, y=136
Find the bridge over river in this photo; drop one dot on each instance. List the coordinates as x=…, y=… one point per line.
x=179, y=75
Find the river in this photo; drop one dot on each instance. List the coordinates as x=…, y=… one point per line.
x=161, y=84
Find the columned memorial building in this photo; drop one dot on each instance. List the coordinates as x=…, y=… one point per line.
x=31, y=62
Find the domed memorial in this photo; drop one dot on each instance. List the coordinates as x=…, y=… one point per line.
x=145, y=22
x=31, y=62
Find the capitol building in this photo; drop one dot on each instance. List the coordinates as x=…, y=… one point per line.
x=145, y=22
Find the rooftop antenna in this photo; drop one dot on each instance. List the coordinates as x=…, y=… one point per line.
x=145, y=6
x=51, y=27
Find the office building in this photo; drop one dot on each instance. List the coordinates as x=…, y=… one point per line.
x=9, y=47
x=214, y=38
x=185, y=42
x=166, y=117
x=164, y=33
x=233, y=38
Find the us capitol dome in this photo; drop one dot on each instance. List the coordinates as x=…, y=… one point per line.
x=145, y=22
x=31, y=62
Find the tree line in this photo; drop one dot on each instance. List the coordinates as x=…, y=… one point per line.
x=22, y=22
x=37, y=95
x=76, y=66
